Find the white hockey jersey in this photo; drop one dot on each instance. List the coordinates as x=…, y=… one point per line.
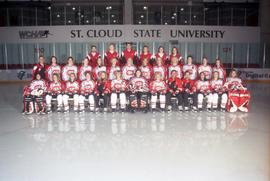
x=128, y=72
x=207, y=70
x=88, y=86
x=53, y=69
x=192, y=69
x=67, y=70
x=177, y=68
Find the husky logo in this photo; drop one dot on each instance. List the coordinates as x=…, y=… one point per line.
x=34, y=34
x=21, y=74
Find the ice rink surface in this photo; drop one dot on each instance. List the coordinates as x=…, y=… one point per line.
x=134, y=147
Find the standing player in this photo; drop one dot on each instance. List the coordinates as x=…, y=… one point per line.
x=93, y=55
x=98, y=69
x=68, y=69
x=191, y=68
x=175, y=89
x=110, y=54
x=205, y=68
x=158, y=89
x=54, y=91
x=118, y=89
x=146, y=54
x=128, y=70
x=102, y=92
x=161, y=54
x=111, y=71
x=87, y=90
x=219, y=95
x=175, y=67
x=72, y=89
x=52, y=69
x=162, y=69
x=138, y=87
x=40, y=68
x=85, y=67
x=179, y=57
x=129, y=53
x=146, y=69
x=220, y=69
x=238, y=95
x=203, y=90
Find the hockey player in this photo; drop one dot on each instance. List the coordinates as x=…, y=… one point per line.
x=189, y=90
x=110, y=54
x=158, y=89
x=39, y=68
x=175, y=89
x=129, y=53
x=205, y=68
x=219, y=95
x=111, y=71
x=92, y=56
x=176, y=67
x=220, y=69
x=98, y=69
x=162, y=69
x=161, y=54
x=34, y=96
x=118, y=89
x=138, y=87
x=179, y=57
x=145, y=55
x=54, y=91
x=128, y=70
x=52, y=69
x=192, y=68
x=102, y=92
x=238, y=95
x=146, y=69
x=72, y=89
x=69, y=68
x=85, y=67
x=203, y=90
x=87, y=90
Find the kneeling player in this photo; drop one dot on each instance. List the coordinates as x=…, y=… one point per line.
x=158, y=90
x=203, y=90
x=138, y=92
x=54, y=91
x=102, y=92
x=238, y=95
x=71, y=91
x=87, y=92
x=175, y=89
x=118, y=88
x=219, y=95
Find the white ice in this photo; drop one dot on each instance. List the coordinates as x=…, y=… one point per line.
x=134, y=147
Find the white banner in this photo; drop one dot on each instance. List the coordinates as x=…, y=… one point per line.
x=129, y=33
x=15, y=75
x=254, y=74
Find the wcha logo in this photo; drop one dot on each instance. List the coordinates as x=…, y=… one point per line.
x=34, y=34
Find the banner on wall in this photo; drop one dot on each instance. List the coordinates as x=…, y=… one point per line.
x=16, y=75
x=254, y=74
x=129, y=33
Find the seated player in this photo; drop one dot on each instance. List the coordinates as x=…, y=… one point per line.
x=146, y=69
x=69, y=68
x=102, y=92
x=138, y=87
x=128, y=70
x=129, y=53
x=189, y=91
x=34, y=96
x=192, y=68
x=218, y=67
x=85, y=67
x=93, y=55
x=219, y=95
x=72, y=88
x=205, y=68
x=175, y=89
x=111, y=71
x=87, y=91
x=98, y=69
x=110, y=54
x=238, y=95
x=54, y=91
x=162, y=69
x=52, y=69
x=118, y=90
x=158, y=89
x=203, y=90
x=146, y=54
x=176, y=67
